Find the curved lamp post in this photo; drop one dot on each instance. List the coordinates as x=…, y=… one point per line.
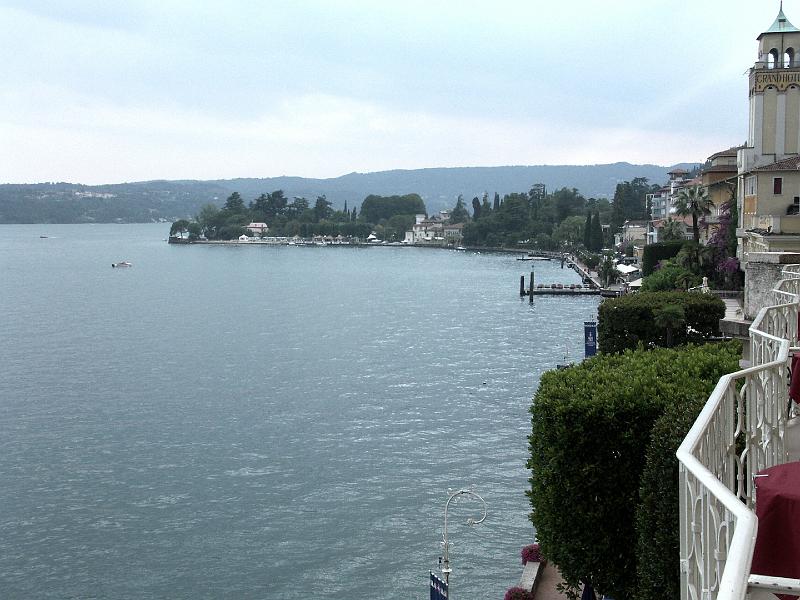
x=446, y=570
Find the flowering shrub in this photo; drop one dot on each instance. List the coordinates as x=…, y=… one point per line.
x=531, y=553
x=729, y=265
x=518, y=593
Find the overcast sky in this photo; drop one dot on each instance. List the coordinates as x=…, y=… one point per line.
x=103, y=91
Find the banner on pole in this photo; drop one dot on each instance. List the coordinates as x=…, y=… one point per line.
x=590, y=338
x=438, y=588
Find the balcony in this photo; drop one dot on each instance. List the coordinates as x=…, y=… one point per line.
x=743, y=429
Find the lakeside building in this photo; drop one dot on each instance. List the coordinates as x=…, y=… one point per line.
x=434, y=230
x=768, y=176
x=719, y=176
x=260, y=229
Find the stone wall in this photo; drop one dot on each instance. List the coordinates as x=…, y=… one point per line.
x=762, y=274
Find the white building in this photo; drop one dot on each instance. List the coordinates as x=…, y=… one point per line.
x=258, y=228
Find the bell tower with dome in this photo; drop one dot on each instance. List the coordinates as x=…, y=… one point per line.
x=768, y=184
x=774, y=131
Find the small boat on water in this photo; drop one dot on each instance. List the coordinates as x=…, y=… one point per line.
x=44, y=237
x=121, y=264
x=523, y=257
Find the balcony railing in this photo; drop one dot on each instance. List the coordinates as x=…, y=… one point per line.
x=740, y=431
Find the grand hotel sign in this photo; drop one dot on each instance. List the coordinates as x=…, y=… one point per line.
x=781, y=79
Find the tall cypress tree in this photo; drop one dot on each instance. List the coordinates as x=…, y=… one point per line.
x=496, y=201
x=587, y=231
x=596, y=235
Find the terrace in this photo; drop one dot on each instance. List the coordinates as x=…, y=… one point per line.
x=745, y=427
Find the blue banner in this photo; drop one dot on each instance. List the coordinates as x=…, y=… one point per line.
x=438, y=588
x=590, y=338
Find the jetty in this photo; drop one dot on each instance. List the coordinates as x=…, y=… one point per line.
x=585, y=274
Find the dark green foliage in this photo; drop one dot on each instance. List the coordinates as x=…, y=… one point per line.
x=375, y=208
x=658, y=566
x=629, y=201
x=596, y=234
x=591, y=427
x=587, y=230
x=234, y=203
x=628, y=321
x=670, y=278
x=322, y=209
x=179, y=227
x=476, y=208
x=654, y=253
x=527, y=218
x=591, y=261
x=459, y=213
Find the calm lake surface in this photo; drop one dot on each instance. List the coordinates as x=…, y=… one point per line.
x=263, y=422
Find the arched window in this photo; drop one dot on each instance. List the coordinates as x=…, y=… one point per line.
x=788, y=58
x=772, y=59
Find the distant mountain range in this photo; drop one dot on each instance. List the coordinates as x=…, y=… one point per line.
x=169, y=200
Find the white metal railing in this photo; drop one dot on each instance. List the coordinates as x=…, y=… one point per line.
x=740, y=431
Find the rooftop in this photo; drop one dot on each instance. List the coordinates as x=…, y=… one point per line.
x=787, y=164
x=780, y=25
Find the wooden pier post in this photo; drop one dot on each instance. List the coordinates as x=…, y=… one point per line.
x=521, y=285
x=530, y=291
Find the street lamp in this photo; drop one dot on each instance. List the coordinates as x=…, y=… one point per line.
x=446, y=570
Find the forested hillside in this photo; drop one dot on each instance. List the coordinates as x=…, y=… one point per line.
x=171, y=200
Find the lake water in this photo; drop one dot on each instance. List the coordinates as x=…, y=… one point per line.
x=263, y=422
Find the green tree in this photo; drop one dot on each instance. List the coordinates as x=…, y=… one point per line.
x=607, y=270
x=207, y=218
x=587, y=230
x=669, y=318
x=375, y=208
x=322, y=209
x=693, y=201
x=672, y=230
x=179, y=227
x=668, y=278
x=630, y=201
x=459, y=212
x=195, y=230
x=234, y=203
x=596, y=238
x=569, y=231
x=486, y=208
x=296, y=208
x=476, y=208
x=396, y=227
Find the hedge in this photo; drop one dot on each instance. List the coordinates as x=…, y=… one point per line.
x=629, y=320
x=655, y=253
x=591, y=427
x=658, y=553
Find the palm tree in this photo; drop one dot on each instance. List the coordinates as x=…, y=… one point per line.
x=669, y=317
x=672, y=230
x=693, y=201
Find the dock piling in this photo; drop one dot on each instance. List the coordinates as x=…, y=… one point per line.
x=521, y=285
x=530, y=291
